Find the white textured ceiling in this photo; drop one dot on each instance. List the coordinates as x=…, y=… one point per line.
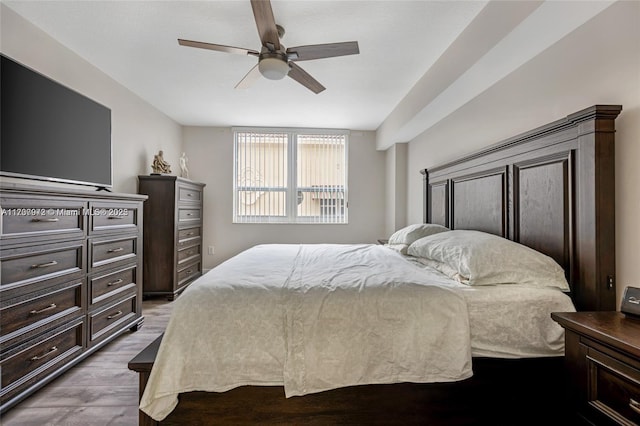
x=135, y=42
x=419, y=60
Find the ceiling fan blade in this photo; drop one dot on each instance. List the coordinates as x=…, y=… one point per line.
x=249, y=78
x=302, y=77
x=218, y=47
x=266, y=24
x=319, y=51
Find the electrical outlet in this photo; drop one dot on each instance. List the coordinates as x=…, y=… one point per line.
x=211, y=250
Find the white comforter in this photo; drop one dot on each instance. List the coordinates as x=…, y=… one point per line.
x=310, y=318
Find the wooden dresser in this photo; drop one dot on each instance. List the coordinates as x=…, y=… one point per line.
x=173, y=233
x=71, y=265
x=602, y=354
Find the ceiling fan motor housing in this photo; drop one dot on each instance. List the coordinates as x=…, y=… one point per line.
x=273, y=65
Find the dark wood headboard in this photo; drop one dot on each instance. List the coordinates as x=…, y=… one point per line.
x=552, y=189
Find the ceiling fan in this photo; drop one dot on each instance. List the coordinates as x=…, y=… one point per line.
x=274, y=60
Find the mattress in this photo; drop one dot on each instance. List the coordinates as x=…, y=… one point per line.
x=318, y=317
x=513, y=320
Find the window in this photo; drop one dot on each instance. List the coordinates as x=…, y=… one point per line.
x=290, y=176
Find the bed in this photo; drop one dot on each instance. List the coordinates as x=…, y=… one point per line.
x=348, y=344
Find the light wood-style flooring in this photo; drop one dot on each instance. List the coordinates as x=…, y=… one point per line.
x=99, y=391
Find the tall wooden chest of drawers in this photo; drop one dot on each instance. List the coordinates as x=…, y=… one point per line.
x=71, y=274
x=172, y=235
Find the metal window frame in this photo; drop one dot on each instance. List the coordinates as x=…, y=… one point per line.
x=291, y=190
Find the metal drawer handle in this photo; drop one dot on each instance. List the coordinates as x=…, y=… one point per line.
x=117, y=314
x=115, y=250
x=189, y=194
x=49, y=219
x=48, y=308
x=189, y=214
x=634, y=405
x=634, y=300
x=115, y=217
x=53, y=350
x=190, y=234
x=116, y=282
x=189, y=272
x=44, y=265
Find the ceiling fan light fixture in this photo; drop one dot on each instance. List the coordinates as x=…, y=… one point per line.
x=273, y=68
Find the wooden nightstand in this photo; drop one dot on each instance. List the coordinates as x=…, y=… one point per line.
x=602, y=355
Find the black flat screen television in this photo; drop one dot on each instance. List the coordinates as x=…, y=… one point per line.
x=50, y=132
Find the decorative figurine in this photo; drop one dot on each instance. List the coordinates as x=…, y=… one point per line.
x=159, y=166
x=184, y=171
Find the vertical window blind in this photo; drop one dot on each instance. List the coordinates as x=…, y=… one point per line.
x=290, y=176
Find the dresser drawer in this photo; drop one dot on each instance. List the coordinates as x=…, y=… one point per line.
x=108, y=252
x=58, y=303
x=613, y=387
x=108, y=217
x=188, y=273
x=105, y=320
x=189, y=194
x=27, y=265
x=189, y=214
x=189, y=254
x=35, y=218
x=41, y=357
x=102, y=287
x=189, y=236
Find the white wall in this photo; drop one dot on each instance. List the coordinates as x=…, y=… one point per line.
x=210, y=153
x=599, y=63
x=138, y=130
x=396, y=188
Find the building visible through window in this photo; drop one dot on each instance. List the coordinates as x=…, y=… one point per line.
x=290, y=176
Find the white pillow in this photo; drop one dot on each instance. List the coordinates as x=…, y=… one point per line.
x=443, y=268
x=400, y=248
x=478, y=258
x=411, y=233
